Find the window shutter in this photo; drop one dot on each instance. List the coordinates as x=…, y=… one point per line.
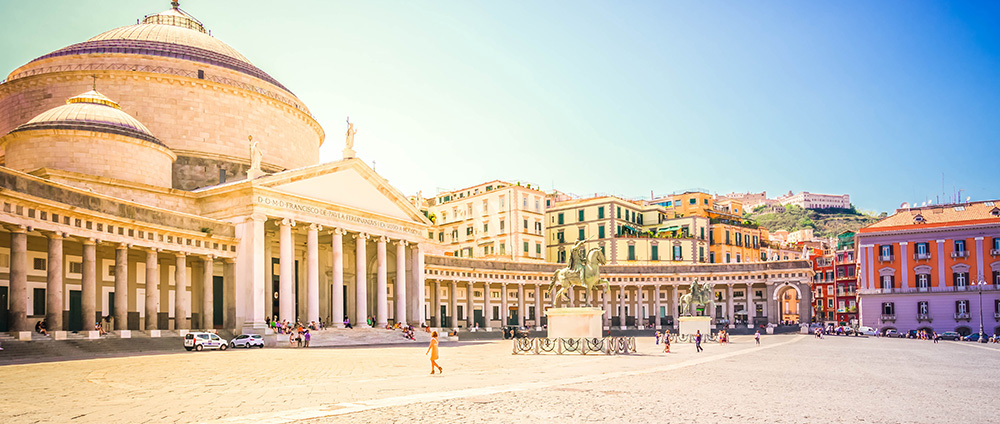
x=954, y=279
x=957, y=302
x=892, y=281
x=892, y=250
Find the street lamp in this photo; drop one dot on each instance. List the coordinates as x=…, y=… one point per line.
x=979, y=284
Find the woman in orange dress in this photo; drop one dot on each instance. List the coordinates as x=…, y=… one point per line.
x=433, y=350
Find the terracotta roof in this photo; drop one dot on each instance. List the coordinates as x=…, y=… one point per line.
x=939, y=215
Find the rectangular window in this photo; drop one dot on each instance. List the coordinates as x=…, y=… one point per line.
x=889, y=308
x=39, y=301
x=655, y=253
x=580, y=236
x=503, y=224
x=711, y=257
x=701, y=254
x=631, y=253
x=727, y=237
x=560, y=218
x=829, y=303
x=561, y=237
x=600, y=212
x=728, y=258
x=692, y=201
x=579, y=215
x=961, y=279
x=600, y=231
x=503, y=203
x=738, y=258
x=887, y=282
x=503, y=248
x=959, y=246
x=486, y=228
x=76, y=267
x=538, y=248
x=923, y=308
x=619, y=212
x=702, y=233
x=39, y=264
x=962, y=307
x=525, y=225
x=678, y=253
x=525, y=247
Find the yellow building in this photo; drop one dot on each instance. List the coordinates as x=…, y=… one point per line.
x=495, y=219
x=626, y=231
x=731, y=238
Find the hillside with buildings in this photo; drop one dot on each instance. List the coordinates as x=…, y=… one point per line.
x=824, y=222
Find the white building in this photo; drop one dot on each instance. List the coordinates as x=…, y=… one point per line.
x=809, y=200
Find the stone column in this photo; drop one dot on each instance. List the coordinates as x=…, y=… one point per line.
x=418, y=294
x=400, y=291
x=152, y=290
x=208, y=294
x=470, y=316
x=436, y=305
x=730, y=308
x=182, y=302
x=621, y=306
x=656, y=306
x=771, y=308
x=453, y=304
x=381, y=284
x=286, y=271
x=751, y=306
x=606, y=302
x=312, y=272
x=637, y=301
x=19, y=280
x=88, y=284
x=805, y=303
x=121, y=287
x=522, y=310
x=675, y=304
x=54, y=284
x=503, y=304
x=229, y=291
x=487, y=306
x=539, y=309
x=361, y=280
x=337, y=314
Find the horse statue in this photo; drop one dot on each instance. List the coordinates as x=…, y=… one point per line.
x=701, y=294
x=586, y=274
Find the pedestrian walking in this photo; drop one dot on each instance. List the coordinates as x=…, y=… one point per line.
x=666, y=341
x=307, y=337
x=657, y=334
x=433, y=351
x=756, y=337
x=697, y=341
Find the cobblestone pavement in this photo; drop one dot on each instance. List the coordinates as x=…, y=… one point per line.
x=790, y=379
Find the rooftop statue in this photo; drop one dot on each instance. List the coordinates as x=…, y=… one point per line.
x=255, y=154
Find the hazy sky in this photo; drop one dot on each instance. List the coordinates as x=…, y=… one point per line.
x=872, y=98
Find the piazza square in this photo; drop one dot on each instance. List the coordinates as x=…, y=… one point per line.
x=184, y=239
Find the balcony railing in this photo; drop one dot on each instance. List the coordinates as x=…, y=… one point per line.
x=996, y=315
x=885, y=258
x=924, y=318
x=995, y=252
x=888, y=317
x=959, y=316
x=946, y=289
x=921, y=256
x=960, y=254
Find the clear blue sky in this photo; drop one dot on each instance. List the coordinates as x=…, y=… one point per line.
x=876, y=99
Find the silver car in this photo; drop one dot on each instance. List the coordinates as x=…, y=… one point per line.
x=247, y=341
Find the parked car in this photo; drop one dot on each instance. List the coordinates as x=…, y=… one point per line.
x=891, y=333
x=247, y=341
x=912, y=334
x=867, y=331
x=949, y=335
x=200, y=341
x=974, y=337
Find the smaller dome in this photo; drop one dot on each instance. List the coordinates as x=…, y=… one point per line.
x=90, y=111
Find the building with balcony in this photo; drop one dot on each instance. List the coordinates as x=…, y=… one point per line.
x=824, y=288
x=934, y=268
x=807, y=200
x=495, y=219
x=845, y=268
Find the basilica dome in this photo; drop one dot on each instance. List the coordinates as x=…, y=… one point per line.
x=199, y=96
x=90, y=135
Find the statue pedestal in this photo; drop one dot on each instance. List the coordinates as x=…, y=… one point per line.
x=691, y=325
x=575, y=323
x=254, y=173
x=349, y=153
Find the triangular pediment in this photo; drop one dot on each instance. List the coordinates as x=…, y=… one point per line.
x=348, y=183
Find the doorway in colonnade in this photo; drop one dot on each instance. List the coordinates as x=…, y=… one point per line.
x=276, y=287
x=3, y=308
x=217, y=309
x=512, y=316
x=75, y=322
x=334, y=320
x=787, y=299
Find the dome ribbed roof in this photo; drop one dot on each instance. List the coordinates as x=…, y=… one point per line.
x=173, y=35
x=90, y=111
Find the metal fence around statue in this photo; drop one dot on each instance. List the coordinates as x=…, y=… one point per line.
x=689, y=338
x=583, y=346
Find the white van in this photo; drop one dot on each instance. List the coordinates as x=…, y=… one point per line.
x=867, y=331
x=200, y=341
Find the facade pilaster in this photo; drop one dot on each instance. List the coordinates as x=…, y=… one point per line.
x=487, y=306
x=381, y=284
x=470, y=316
x=621, y=306
x=730, y=306
x=522, y=309
x=637, y=302
x=453, y=304
x=656, y=306
x=503, y=305
x=437, y=320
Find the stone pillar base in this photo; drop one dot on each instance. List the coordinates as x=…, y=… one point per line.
x=124, y=334
x=22, y=336
x=575, y=322
x=93, y=334
x=691, y=325
x=804, y=328
x=623, y=327
x=154, y=333
x=770, y=330
x=183, y=332
x=58, y=335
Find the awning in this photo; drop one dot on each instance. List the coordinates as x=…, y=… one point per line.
x=674, y=228
x=632, y=228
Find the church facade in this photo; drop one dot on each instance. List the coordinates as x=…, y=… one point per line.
x=112, y=210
